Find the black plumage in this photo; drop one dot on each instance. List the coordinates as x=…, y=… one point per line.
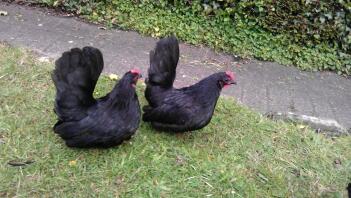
x=162, y=70
x=179, y=110
x=87, y=122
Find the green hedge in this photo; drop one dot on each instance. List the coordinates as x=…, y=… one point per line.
x=308, y=21
x=310, y=34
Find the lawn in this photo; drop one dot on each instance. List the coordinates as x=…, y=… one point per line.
x=239, y=154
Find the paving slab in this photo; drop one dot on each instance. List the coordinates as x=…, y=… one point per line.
x=262, y=86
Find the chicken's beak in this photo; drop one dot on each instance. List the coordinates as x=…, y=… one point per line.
x=233, y=82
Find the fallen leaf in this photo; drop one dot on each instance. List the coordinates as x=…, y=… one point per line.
x=300, y=126
x=113, y=76
x=20, y=162
x=72, y=163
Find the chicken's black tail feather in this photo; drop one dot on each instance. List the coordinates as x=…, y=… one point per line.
x=163, y=63
x=75, y=77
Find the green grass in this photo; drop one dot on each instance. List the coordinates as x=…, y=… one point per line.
x=239, y=154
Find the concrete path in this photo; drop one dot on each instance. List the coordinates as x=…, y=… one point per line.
x=263, y=86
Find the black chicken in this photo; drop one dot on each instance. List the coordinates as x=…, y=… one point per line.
x=84, y=121
x=179, y=110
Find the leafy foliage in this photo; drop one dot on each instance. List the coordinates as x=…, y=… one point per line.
x=308, y=21
x=313, y=35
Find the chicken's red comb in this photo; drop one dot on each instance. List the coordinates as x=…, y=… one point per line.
x=135, y=71
x=230, y=74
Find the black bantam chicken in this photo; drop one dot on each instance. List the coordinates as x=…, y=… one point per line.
x=179, y=110
x=87, y=122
